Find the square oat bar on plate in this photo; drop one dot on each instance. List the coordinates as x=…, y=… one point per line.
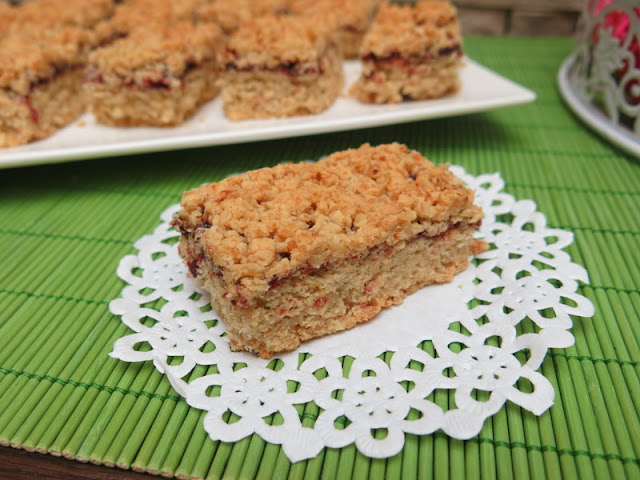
x=299, y=251
x=157, y=76
x=410, y=52
x=281, y=66
x=41, y=71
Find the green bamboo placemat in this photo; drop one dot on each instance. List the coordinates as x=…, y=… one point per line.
x=64, y=228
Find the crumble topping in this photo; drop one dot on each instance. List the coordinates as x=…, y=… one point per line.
x=134, y=14
x=271, y=41
x=264, y=224
x=412, y=29
x=34, y=16
x=354, y=15
x=229, y=14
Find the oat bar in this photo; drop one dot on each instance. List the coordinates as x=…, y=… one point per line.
x=410, y=52
x=156, y=76
x=299, y=251
x=281, y=66
x=40, y=77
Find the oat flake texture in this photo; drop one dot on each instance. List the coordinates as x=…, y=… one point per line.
x=487, y=332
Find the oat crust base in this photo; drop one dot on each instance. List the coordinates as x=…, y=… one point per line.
x=334, y=299
x=128, y=107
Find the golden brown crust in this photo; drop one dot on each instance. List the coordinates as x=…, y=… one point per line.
x=229, y=14
x=268, y=223
x=411, y=30
x=271, y=41
x=8, y=15
x=33, y=16
x=357, y=13
x=134, y=14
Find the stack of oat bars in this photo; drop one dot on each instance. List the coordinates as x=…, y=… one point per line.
x=155, y=62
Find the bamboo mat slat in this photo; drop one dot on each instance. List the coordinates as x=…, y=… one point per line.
x=64, y=228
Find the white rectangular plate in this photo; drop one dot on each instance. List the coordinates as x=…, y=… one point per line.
x=482, y=89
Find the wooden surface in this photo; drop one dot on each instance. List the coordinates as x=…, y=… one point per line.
x=18, y=464
x=517, y=17
x=520, y=17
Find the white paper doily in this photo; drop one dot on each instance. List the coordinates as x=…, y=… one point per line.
x=481, y=337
